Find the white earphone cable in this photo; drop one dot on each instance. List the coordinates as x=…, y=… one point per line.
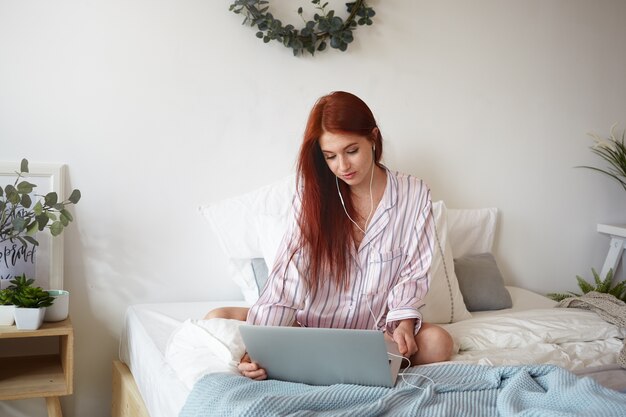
x=371, y=201
x=403, y=372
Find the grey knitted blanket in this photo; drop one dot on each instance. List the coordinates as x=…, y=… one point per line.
x=606, y=306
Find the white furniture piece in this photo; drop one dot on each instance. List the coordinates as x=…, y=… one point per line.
x=616, y=246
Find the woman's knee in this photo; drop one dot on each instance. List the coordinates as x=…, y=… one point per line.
x=233, y=313
x=434, y=344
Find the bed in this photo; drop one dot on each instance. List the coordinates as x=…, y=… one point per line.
x=171, y=360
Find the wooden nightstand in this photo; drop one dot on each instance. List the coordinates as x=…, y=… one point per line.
x=39, y=376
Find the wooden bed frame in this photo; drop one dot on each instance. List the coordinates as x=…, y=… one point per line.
x=127, y=400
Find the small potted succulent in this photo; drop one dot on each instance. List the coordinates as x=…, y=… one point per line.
x=30, y=303
x=7, y=308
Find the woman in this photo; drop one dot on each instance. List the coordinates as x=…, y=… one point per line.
x=358, y=252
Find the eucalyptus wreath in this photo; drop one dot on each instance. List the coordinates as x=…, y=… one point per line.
x=324, y=29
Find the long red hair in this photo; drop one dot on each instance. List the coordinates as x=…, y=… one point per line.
x=326, y=231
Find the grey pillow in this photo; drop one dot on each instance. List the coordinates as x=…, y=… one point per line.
x=259, y=268
x=481, y=283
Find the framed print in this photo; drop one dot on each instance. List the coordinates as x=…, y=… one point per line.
x=44, y=262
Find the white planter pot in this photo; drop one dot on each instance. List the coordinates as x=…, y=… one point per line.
x=29, y=318
x=60, y=309
x=6, y=315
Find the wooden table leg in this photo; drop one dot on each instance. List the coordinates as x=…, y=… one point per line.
x=54, y=407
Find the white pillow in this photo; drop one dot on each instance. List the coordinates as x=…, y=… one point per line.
x=444, y=301
x=472, y=231
x=251, y=226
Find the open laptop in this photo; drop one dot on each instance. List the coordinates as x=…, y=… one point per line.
x=318, y=356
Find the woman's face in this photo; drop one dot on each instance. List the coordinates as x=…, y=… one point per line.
x=349, y=156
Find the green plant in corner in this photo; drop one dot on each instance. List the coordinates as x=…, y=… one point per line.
x=601, y=285
x=21, y=217
x=613, y=151
x=27, y=296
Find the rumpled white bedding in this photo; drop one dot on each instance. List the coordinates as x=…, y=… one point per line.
x=571, y=338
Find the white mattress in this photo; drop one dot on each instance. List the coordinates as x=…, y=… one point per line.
x=488, y=338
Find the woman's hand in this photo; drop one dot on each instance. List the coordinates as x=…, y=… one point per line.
x=251, y=369
x=404, y=336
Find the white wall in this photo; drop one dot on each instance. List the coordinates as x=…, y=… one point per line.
x=158, y=106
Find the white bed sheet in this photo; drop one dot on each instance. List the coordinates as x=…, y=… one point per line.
x=148, y=328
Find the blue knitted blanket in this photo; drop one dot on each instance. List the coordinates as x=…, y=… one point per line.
x=457, y=390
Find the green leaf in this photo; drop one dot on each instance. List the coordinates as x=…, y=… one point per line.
x=74, y=198
x=38, y=208
x=31, y=229
x=42, y=220
x=557, y=296
x=19, y=224
x=336, y=24
x=618, y=290
x=12, y=195
x=605, y=285
x=584, y=286
x=335, y=42
x=56, y=228
x=64, y=220
x=596, y=277
x=24, y=165
x=26, y=201
x=65, y=213
x=31, y=240
x=51, y=199
x=25, y=187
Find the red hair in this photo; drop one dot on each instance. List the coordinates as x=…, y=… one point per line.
x=326, y=232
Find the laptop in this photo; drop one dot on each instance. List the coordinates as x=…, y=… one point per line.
x=318, y=356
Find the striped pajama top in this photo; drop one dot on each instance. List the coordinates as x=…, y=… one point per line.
x=390, y=270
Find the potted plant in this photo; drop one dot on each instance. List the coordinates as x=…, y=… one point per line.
x=7, y=308
x=23, y=213
x=30, y=303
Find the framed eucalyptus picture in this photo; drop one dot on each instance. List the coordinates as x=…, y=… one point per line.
x=43, y=262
